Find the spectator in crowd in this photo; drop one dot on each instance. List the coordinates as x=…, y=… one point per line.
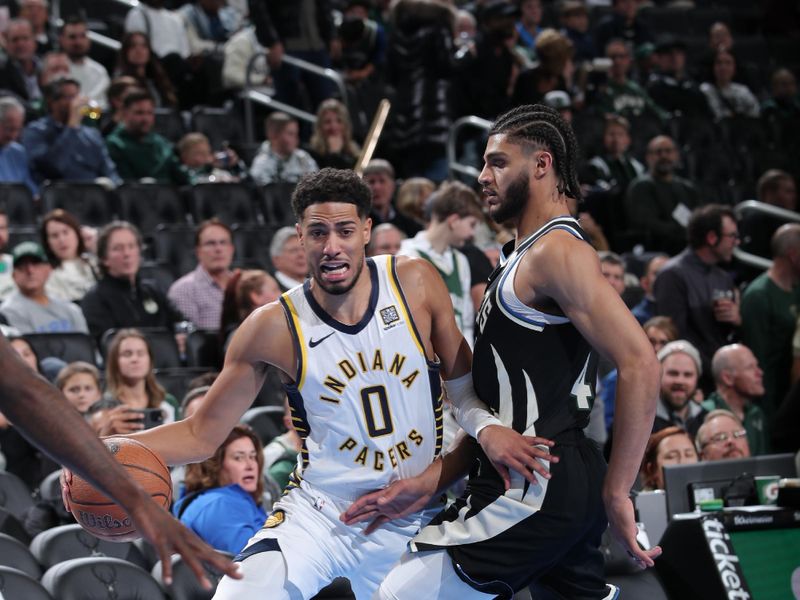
x=238, y=51
x=645, y=310
x=201, y=165
x=485, y=74
x=420, y=64
x=279, y=159
x=332, y=142
x=613, y=268
x=30, y=309
x=608, y=176
x=36, y=13
x=130, y=379
x=769, y=311
x=670, y=86
x=561, y=101
x=739, y=388
x=528, y=26
x=412, y=196
x=198, y=295
x=776, y=188
x=725, y=97
x=659, y=202
x=80, y=383
x=621, y=95
x=121, y=298
x=669, y=446
x=138, y=151
x=722, y=437
x=280, y=455
x=784, y=102
x=136, y=59
x=301, y=29
x=209, y=24
x=7, y=284
x=575, y=25
x=623, y=23
x=245, y=292
x=680, y=372
x=90, y=74
x=554, y=71
x=59, y=146
x=74, y=268
x=385, y=239
x=13, y=157
x=721, y=38
x=379, y=176
x=363, y=58
x=165, y=29
x=286, y=253
x=47, y=366
x=455, y=213
x=55, y=65
x=19, y=66
x=117, y=90
x=695, y=291
x=226, y=488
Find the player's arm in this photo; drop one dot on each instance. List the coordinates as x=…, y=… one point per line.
x=44, y=417
x=262, y=338
x=505, y=447
x=568, y=271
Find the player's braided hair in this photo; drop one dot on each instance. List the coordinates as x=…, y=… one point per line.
x=536, y=126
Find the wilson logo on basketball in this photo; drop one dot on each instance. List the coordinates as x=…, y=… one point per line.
x=103, y=521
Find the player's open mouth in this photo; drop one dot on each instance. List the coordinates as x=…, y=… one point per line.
x=334, y=270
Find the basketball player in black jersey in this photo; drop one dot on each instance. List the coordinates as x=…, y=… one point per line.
x=546, y=311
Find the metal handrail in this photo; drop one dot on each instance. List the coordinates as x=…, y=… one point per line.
x=452, y=159
x=251, y=94
x=749, y=258
x=55, y=8
x=104, y=40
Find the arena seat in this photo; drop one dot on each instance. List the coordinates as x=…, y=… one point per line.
x=22, y=233
x=219, y=125
x=275, y=202
x=185, y=585
x=15, y=497
x=169, y=123
x=67, y=542
x=16, y=584
x=266, y=421
x=69, y=347
x=176, y=380
x=157, y=275
x=100, y=577
x=16, y=555
x=147, y=205
x=229, y=202
x=252, y=246
x=11, y=525
x=50, y=492
x=203, y=349
x=162, y=343
x=18, y=203
x=89, y=202
x=171, y=245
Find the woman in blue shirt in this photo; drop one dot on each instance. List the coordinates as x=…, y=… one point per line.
x=222, y=502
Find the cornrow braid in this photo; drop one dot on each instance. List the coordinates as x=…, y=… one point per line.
x=543, y=127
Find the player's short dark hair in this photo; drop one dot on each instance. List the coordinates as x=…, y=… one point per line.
x=539, y=127
x=453, y=198
x=704, y=220
x=331, y=185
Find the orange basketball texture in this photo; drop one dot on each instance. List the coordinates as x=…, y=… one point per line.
x=100, y=515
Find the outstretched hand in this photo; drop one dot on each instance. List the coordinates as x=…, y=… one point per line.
x=508, y=449
x=168, y=536
x=622, y=523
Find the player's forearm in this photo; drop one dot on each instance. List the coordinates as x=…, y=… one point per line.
x=180, y=443
x=468, y=410
x=450, y=467
x=637, y=394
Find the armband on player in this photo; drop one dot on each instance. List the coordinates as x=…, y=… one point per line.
x=470, y=413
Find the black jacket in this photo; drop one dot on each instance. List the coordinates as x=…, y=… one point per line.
x=276, y=20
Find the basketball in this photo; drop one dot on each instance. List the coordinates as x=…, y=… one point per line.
x=100, y=515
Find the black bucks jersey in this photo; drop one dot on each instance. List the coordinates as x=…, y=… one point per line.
x=535, y=370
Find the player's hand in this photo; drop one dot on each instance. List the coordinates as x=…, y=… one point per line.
x=168, y=536
x=622, y=522
x=508, y=449
x=66, y=480
x=398, y=499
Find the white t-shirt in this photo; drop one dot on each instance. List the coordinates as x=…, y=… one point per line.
x=93, y=78
x=163, y=27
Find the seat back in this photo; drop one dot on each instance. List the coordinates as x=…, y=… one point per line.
x=169, y=123
x=15, y=496
x=171, y=246
x=50, y=492
x=252, y=245
x=229, y=202
x=17, y=584
x=15, y=554
x=69, y=347
x=219, y=125
x=266, y=421
x=89, y=202
x=17, y=200
x=66, y=542
x=176, y=381
x=275, y=203
x=11, y=525
x=100, y=578
x=203, y=349
x=157, y=275
x=148, y=205
x=184, y=583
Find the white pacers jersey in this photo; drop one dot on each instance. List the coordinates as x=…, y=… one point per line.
x=366, y=400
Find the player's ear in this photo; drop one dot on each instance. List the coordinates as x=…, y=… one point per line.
x=367, y=230
x=543, y=162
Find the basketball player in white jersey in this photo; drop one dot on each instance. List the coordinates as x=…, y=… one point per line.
x=361, y=345
x=546, y=311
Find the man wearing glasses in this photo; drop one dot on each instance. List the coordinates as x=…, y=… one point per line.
x=721, y=437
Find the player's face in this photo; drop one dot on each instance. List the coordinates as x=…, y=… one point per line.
x=240, y=465
x=81, y=390
x=504, y=178
x=134, y=359
x=678, y=380
x=725, y=438
x=333, y=237
x=674, y=450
